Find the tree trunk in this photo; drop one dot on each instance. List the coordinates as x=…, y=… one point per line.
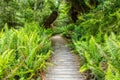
x=53, y=16
x=78, y=6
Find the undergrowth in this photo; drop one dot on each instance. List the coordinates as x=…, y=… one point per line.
x=24, y=52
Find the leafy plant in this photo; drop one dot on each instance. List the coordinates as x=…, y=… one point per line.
x=101, y=59
x=92, y=55
x=24, y=52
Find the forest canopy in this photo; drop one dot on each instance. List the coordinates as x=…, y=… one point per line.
x=20, y=11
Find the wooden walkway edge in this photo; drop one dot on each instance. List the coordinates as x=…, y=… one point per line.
x=65, y=64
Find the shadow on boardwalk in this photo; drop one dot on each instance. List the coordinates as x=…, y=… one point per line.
x=65, y=64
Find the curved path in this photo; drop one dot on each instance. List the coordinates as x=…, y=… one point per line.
x=65, y=64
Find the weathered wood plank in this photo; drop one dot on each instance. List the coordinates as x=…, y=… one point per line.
x=65, y=64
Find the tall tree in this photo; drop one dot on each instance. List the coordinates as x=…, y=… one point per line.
x=78, y=6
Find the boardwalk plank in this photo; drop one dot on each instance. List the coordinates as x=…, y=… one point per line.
x=65, y=64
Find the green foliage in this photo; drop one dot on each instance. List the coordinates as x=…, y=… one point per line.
x=98, y=22
x=96, y=39
x=95, y=36
x=23, y=52
x=112, y=73
x=17, y=12
x=64, y=30
x=95, y=54
x=63, y=17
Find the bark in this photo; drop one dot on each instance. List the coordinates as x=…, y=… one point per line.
x=53, y=16
x=79, y=6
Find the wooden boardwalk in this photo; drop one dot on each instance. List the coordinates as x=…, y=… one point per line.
x=65, y=64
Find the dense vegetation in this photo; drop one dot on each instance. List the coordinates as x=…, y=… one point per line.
x=23, y=52
x=92, y=26
x=96, y=39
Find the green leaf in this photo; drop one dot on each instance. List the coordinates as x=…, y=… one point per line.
x=84, y=68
